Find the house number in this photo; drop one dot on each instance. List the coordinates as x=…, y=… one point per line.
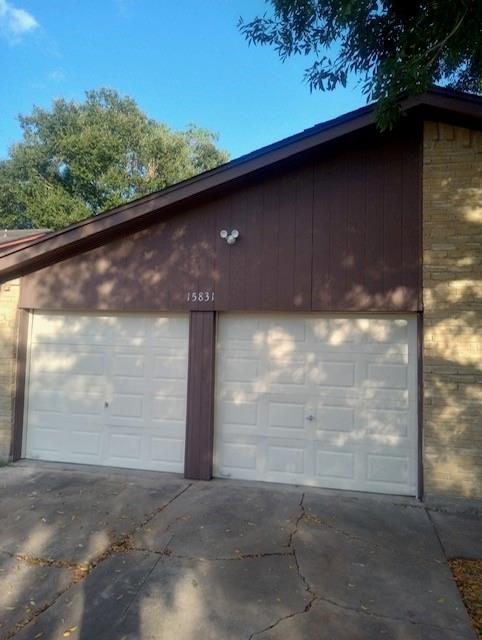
x=200, y=296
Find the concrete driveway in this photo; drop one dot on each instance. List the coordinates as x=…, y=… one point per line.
x=92, y=553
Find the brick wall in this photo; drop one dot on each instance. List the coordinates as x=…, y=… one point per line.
x=452, y=294
x=8, y=346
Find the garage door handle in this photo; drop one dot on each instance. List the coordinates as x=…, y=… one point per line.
x=106, y=404
x=310, y=418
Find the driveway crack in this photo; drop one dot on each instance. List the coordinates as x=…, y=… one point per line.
x=436, y=533
x=138, y=590
x=308, y=589
x=372, y=614
x=298, y=520
x=167, y=553
x=312, y=519
x=120, y=544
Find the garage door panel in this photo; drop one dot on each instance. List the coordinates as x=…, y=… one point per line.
x=367, y=331
x=239, y=413
x=130, y=365
x=171, y=327
x=64, y=385
x=84, y=403
x=375, y=398
x=239, y=459
x=168, y=388
x=75, y=404
x=85, y=443
x=387, y=469
x=335, y=464
x=387, y=375
x=238, y=369
x=287, y=415
x=169, y=367
x=335, y=418
x=52, y=360
x=126, y=405
x=70, y=329
x=390, y=425
x=169, y=451
x=169, y=408
x=331, y=401
x=108, y=389
x=123, y=448
x=286, y=458
x=333, y=374
x=47, y=440
x=287, y=372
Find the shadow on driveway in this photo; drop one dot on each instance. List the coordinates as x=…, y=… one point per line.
x=92, y=553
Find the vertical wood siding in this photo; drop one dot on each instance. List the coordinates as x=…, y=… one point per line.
x=336, y=231
x=200, y=396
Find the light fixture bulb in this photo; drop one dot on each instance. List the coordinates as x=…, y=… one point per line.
x=230, y=239
x=235, y=234
x=224, y=234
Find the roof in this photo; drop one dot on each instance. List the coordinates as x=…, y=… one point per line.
x=437, y=103
x=11, y=239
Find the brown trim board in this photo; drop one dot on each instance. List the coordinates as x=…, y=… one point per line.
x=20, y=382
x=200, y=396
x=420, y=472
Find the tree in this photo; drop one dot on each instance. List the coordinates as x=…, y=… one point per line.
x=393, y=47
x=78, y=159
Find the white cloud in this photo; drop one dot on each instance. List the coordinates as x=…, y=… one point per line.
x=14, y=22
x=56, y=75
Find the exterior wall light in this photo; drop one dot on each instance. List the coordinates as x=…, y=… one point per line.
x=229, y=237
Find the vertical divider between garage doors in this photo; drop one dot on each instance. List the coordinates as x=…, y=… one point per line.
x=20, y=384
x=200, y=396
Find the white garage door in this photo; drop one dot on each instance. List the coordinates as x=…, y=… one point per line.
x=108, y=390
x=318, y=400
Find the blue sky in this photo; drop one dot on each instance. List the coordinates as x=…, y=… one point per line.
x=184, y=62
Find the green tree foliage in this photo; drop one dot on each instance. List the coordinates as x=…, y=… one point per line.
x=78, y=159
x=394, y=47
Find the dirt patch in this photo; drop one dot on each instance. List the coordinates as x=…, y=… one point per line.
x=468, y=576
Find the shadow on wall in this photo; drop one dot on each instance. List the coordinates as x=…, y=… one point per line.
x=340, y=233
x=453, y=310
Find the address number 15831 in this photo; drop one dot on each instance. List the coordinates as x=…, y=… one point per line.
x=200, y=296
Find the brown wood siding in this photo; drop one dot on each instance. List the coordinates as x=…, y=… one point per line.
x=20, y=379
x=200, y=396
x=338, y=230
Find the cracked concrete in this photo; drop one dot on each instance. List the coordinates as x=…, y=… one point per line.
x=73, y=514
x=26, y=587
x=325, y=621
x=217, y=520
x=460, y=534
x=221, y=560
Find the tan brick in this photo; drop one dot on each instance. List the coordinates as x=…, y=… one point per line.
x=9, y=294
x=452, y=294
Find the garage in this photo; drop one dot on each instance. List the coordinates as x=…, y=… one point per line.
x=321, y=400
x=107, y=389
x=263, y=321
